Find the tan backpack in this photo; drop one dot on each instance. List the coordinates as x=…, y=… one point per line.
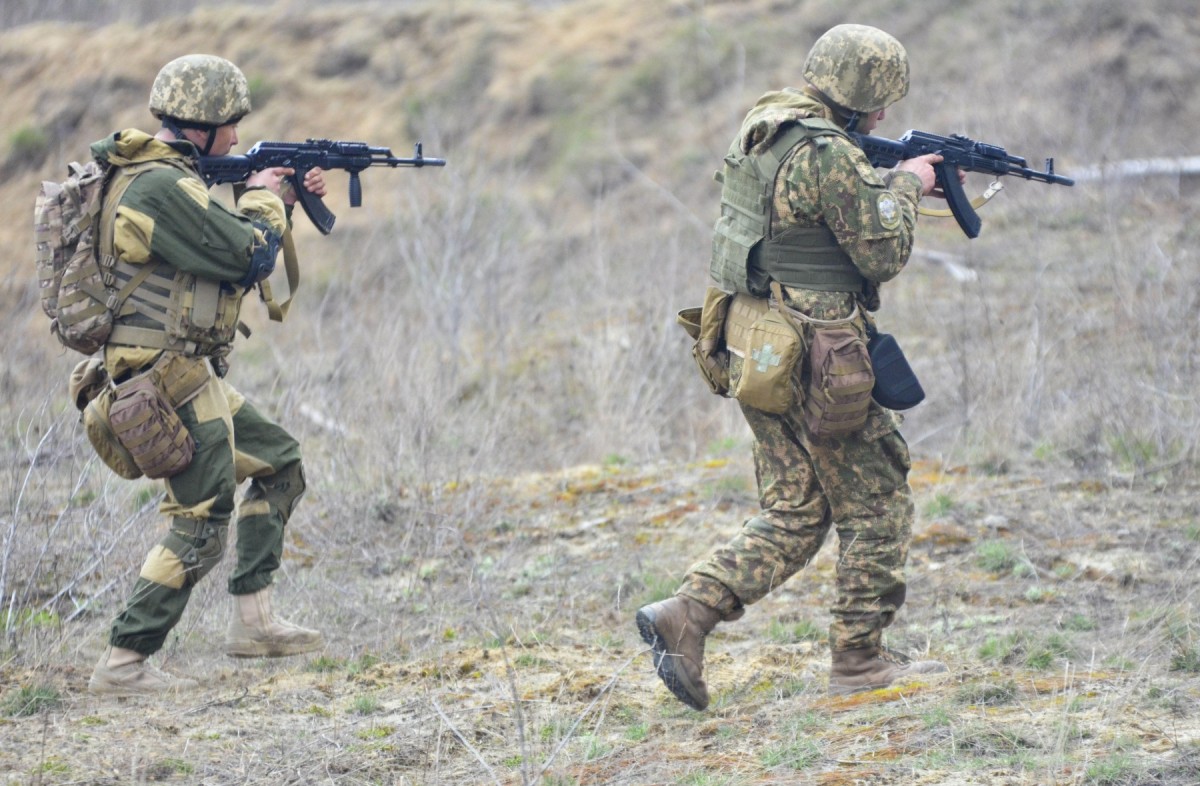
x=74, y=278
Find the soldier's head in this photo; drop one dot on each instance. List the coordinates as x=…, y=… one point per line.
x=861, y=70
x=203, y=94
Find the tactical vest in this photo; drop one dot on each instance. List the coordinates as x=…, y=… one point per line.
x=167, y=308
x=746, y=256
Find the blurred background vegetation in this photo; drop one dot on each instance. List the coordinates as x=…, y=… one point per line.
x=514, y=312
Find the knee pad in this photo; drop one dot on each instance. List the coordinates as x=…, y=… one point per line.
x=200, y=547
x=281, y=490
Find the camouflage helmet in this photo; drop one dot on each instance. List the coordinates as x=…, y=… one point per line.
x=200, y=90
x=860, y=68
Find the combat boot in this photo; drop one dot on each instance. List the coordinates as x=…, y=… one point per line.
x=254, y=632
x=122, y=673
x=675, y=628
x=869, y=668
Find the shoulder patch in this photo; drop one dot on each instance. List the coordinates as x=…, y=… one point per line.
x=888, y=208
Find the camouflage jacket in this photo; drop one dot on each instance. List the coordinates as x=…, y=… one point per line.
x=872, y=216
x=167, y=216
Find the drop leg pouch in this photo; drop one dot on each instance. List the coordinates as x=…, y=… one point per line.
x=144, y=419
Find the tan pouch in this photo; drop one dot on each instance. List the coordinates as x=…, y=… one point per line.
x=839, y=391
x=772, y=348
x=706, y=325
x=92, y=391
x=104, y=441
x=148, y=427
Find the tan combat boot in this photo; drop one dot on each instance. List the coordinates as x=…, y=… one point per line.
x=122, y=672
x=869, y=668
x=254, y=632
x=675, y=628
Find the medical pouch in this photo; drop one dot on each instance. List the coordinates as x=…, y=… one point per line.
x=772, y=349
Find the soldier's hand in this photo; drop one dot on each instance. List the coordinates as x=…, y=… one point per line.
x=314, y=181
x=272, y=179
x=922, y=167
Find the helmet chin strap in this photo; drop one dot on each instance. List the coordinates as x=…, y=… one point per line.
x=176, y=127
x=852, y=123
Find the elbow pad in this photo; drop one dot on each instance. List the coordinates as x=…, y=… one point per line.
x=262, y=255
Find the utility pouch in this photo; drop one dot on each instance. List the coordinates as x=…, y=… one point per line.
x=147, y=426
x=896, y=386
x=839, y=392
x=706, y=325
x=772, y=349
x=92, y=391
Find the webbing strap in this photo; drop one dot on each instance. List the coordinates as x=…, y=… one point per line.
x=277, y=311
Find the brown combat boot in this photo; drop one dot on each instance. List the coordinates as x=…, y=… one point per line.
x=675, y=628
x=254, y=632
x=123, y=673
x=869, y=668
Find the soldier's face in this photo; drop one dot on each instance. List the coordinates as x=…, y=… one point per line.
x=226, y=139
x=867, y=123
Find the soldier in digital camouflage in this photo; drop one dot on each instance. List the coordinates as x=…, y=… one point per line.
x=805, y=215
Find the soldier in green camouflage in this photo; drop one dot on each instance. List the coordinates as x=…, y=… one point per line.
x=803, y=208
x=187, y=261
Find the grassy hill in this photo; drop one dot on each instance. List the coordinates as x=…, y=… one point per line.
x=509, y=449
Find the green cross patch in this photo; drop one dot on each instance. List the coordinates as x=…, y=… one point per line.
x=766, y=356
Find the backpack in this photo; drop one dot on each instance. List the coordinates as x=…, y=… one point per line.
x=74, y=278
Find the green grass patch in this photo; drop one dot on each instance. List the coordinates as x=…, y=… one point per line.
x=996, y=556
x=367, y=704
x=790, y=633
x=797, y=754
x=1117, y=768
x=1079, y=623
x=30, y=700
x=323, y=664
x=941, y=505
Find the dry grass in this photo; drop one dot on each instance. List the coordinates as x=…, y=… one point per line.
x=472, y=331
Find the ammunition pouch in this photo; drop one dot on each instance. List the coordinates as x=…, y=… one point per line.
x=840, y=382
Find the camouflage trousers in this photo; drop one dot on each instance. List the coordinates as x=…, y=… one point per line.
x=233, y=442
x=858, y=485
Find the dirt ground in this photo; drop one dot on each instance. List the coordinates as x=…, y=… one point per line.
x=1063, y=606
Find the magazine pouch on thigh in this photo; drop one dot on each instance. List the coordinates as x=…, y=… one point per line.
x=706, y=325
x=147, y=425
x=839, y=392
x=772, y=348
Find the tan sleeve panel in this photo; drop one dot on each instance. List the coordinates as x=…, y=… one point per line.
x=132, y=234
x=195, y=189
x=261, y=204
x=163, y=566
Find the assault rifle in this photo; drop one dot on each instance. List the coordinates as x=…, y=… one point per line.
x=327, y=154
x=958, y=152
